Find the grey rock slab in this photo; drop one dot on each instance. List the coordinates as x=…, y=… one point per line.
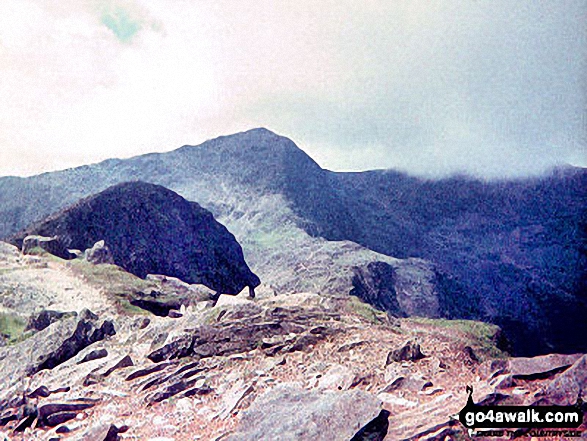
x=290, y=413
x=567, y=386
x=542, y=366
x=50, y=347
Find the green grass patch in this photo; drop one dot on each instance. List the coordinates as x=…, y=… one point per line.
x=12, y=327
x=115, y=282
x=367, y=312
x=481, y=336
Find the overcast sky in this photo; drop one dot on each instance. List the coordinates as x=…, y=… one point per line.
x=488, y=87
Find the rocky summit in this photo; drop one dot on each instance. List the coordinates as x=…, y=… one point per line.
x=149, y=229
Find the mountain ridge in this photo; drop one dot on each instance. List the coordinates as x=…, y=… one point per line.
x=509, y=248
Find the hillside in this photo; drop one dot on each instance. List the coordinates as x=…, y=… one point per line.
x=283, y=367
x=508, y=252
x=152, y=230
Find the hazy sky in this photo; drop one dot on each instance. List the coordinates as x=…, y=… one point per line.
x=489, y=87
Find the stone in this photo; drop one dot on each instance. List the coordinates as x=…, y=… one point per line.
x=410, y=351
x=43, y=319
x=374, y=430
x=567, y=387
x=52, y=245
x=94, y=355
x=290, y=413
x=337, y=377
x=52, y=346
x=233, y=397
x=99, y=254
x=528, y=368
x=243, y=329
x=226, y=300
x=85, y=333
x=126, y=361
x=157, y=307
x=53, y=414
x=396, y=400
x=103, y=432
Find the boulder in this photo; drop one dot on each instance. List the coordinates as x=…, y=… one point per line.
x=52, y=346
x=94, y=355
x=99, y=253
x=528, y=368
x=408, y=352
x=198, y=292
x=43, y=319
x=376, y=429
x=157, y=307
x=52, y=245
x=288, y=412
x=103, y=432
x=225, y=300
x=567, y=387
x=337, y=377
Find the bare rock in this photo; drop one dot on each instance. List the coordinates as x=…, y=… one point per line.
x=528, y=368
x=99, y=253
x=52, y=346
x=197, y=292
x=104, y=432
x=94, y=355
x=43, y=319
x=225, y=300
x=124, y=362
x=241, y=329
x=408, y=352
x=567, y=387
x=52, y=245
x=155, y=306
x=289, y=413
x=337, y=377
x=374, y=430
x=53, y=414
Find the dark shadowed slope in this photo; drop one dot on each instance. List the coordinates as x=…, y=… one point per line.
x=511, y=252
x=516, y=250
x=152, y=230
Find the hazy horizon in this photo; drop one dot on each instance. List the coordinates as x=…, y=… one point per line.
x=491, y=89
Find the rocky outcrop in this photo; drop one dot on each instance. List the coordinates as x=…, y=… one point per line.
x=52, y=346
x=376, y=429
x=568, y=387
x=43, y=319
x=290, y=413
x=498, y=246
x=52, y=245
x=99, y=253
x=241, y=329
x=408, y=352
x=151, y=230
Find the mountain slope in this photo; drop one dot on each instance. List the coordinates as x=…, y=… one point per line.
x=510, y=252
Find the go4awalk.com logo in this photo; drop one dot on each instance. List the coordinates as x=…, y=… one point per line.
x=474, y=416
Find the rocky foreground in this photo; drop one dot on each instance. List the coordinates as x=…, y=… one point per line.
x=91, y=361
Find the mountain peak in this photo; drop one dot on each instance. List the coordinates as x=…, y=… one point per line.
x=152, y=230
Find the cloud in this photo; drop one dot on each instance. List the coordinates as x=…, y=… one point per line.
x=487, y=87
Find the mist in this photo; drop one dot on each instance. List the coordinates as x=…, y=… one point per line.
x=487, y=88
